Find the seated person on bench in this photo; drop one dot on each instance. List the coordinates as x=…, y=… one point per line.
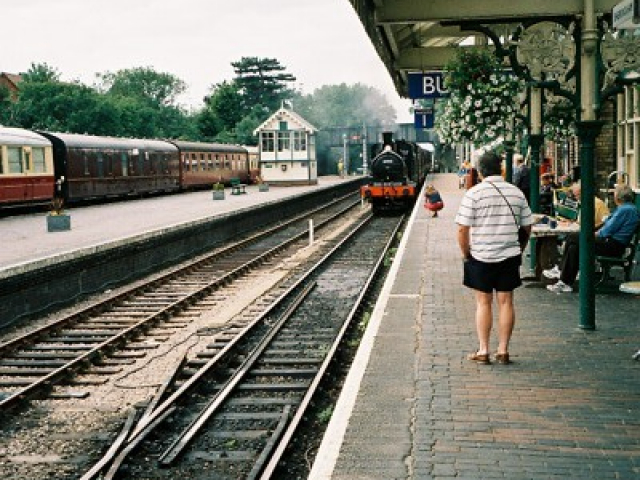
x=610, y=240
x=601, y=211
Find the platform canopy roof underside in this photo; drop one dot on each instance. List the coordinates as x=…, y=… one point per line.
x=422, y=35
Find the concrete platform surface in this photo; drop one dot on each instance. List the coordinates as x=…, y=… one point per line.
x=25, y=238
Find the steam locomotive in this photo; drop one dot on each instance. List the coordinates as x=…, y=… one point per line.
x=398, y=170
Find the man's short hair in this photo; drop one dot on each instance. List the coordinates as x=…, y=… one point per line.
x=489, y=164
x=624, y=193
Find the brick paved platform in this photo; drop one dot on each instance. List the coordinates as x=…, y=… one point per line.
x=415, y=408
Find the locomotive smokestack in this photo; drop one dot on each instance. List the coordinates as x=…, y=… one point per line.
x=387, y=138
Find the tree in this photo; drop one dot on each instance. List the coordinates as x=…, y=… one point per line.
x=144, y=83
x=261, y=82
x=5, y=105
x=40, y=73
x=64, y=107
x=345, y=105
x=225, y=104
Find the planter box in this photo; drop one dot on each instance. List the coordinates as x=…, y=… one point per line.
x=58, y=223
x=263, y=187
x=218, y=194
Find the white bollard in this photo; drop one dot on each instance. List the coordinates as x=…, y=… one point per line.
x=310, y=232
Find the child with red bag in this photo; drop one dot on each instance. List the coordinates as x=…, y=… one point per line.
x=433, y=200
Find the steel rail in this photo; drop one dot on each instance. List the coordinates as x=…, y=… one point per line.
x=269, y=470
x=155, y=418
x=182, y=440
x=87, y=357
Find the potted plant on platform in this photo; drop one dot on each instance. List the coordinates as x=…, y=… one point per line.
x=218, y=191
x=57, y=219
x=262, y=186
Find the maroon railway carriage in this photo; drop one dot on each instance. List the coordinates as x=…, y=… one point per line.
x=26, y=168
x=203, y=164
x=90, y=167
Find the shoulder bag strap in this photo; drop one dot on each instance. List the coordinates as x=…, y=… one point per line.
x=507, y=202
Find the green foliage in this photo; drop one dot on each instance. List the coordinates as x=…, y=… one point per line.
x=40, y=73
x=143, y=83
x=261, y=82
x=61, y=106
x=559, y=120
x=140, y=102
x=6, y=106
x=324, y=416
x=482, y=102
x=225, y=104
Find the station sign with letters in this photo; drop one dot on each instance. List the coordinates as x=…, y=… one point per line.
x=427, y=85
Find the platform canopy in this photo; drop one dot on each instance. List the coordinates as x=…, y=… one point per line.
x=421, y=35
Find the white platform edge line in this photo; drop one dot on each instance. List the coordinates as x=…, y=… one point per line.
x=329, y=450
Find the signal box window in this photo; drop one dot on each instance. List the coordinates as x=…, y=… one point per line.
x=299, y=141
x=284, y=141
x=268, y=142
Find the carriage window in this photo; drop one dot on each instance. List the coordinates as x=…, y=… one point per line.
x=267, y=141
x=227, y=164
x=210, y=161
x=15, y=159
x=99, y=165
x=124, y=163
x=38, y=160
x=284, y=141
x=141, y=156
x=85, y=158
x=1, y=161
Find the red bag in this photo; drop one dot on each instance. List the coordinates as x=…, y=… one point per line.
x=434, y=207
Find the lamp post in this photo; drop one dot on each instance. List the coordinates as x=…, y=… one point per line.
x=344, y=153
x=365, y=167
x=588, y=130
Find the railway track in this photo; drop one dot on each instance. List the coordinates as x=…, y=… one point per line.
x=232, y=412
x=101, y=336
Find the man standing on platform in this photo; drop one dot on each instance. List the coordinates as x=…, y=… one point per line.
x=488, y=219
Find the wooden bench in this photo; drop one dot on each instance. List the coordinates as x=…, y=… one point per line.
x=237, y=188
x=626, y=261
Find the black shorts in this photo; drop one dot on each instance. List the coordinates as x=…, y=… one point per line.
x=502, y=276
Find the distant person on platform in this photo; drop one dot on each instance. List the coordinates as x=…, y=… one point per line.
x=488, y=219
x=522, y=176
x=433, y=201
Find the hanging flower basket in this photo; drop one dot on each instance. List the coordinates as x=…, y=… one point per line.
x=483, y=100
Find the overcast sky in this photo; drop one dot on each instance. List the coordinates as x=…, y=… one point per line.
x=320, y=42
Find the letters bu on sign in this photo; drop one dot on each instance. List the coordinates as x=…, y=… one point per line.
x=427, y=85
